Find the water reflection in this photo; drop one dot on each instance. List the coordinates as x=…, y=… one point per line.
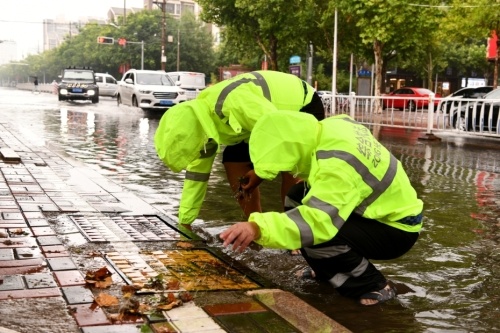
x=449, y=282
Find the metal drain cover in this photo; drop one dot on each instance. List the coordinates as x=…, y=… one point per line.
x=128, y=228
x=194, y=269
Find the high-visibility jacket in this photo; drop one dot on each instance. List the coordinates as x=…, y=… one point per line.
x=189, y=134
x=348, y=171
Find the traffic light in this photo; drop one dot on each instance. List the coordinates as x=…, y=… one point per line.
x=105, y=40
x=122, y=42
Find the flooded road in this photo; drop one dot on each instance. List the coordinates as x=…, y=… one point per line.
x=450, y=280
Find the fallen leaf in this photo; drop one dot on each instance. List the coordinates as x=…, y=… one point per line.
x=105, y=300
x=184, y=245
x=104, y=283
x=169, y=306
x=100, y=278
x=130, y=289
x=173, y=284
x=185, y=296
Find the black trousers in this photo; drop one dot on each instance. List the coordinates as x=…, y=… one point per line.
x=344, y=261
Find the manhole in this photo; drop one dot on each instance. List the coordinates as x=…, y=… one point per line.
x=128, y=228
x=194, y=269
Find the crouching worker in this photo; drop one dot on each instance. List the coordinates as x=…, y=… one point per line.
x=356, y=203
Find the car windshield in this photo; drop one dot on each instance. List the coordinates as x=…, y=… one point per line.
x=155, y=79
x=495, y=94
x=79, y=75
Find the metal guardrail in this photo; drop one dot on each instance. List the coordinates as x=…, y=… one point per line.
x=432, y=115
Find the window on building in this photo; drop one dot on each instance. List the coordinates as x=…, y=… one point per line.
x=173, y=8
x=187, y=7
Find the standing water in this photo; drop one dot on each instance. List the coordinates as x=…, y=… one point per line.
x=449, y=281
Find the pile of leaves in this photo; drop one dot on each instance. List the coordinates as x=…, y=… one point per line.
x=166, y=296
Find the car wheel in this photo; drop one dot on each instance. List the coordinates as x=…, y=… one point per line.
x=118, y=99
x=134, y=102
x=95, y=100
x=411, y=106
x=60, y=98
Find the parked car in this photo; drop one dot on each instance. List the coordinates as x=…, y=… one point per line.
x=324, y=93
x=467, y=92
x=191, y=82
x=408, y=98
x=107, y=84
x=149, y=90
x=78, y=83
x=479, y=115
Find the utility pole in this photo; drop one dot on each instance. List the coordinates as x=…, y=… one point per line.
x=124, y=12
x=310, y=64
x=178, y=46
x=163, y=35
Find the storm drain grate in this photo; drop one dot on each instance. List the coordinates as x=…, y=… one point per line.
x=129, y=228
x=193, y=269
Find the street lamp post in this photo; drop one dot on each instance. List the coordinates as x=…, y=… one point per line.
x=142, y=51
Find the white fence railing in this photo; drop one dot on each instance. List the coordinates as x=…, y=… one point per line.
x=478, y=117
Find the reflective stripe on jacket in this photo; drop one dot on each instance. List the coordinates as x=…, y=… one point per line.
x=226, y=113
x=347, y=169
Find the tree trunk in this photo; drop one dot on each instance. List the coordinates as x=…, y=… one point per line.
x=429, y=73
x=273, y=48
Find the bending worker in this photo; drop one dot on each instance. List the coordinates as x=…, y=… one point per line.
x=190, y=134
x=356, y=202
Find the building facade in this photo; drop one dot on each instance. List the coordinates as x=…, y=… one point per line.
x=8, y=51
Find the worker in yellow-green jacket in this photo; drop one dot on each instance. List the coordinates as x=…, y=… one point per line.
x=191, y=133
x=356, y=202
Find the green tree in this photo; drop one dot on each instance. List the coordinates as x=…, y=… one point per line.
x=391, y=28
x=476, y=20
x=279, y=28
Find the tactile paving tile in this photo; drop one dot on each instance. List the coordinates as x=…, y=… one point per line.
x=195, y=269
x=129, y=228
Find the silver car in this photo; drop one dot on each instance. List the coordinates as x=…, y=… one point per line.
x=107, y=84
x=149, y=90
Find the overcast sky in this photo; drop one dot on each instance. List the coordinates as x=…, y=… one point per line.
x=21, y=21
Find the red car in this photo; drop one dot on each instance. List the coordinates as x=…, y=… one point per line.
x=409, y=98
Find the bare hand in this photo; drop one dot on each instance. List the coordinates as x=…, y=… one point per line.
x=240, y=235
x=252, y=182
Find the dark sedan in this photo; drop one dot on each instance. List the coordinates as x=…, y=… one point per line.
x=478, y=116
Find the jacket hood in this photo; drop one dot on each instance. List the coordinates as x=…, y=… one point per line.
x=182, y=133
x=283, y=141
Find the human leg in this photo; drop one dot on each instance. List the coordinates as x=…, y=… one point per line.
x=236, y=161
x=287, y=181
x=344, y=261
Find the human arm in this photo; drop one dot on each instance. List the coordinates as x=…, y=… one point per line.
x=250, y=182
x=195, y=187
x=240, y=235
x=325, y=208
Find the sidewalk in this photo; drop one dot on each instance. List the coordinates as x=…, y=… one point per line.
x=78, y=253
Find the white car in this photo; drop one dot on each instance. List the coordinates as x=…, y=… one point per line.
x=192, y=82
x=149, y=90
x=107, y=84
